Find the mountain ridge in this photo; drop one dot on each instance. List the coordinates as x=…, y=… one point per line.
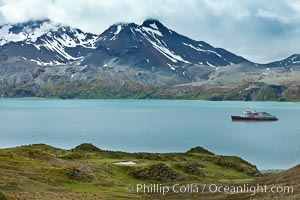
x=48, y=59
x=29, y=35
x=58, y=37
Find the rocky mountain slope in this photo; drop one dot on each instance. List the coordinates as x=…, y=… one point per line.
x=152, y=45
x=292, y=60
x=47, y=59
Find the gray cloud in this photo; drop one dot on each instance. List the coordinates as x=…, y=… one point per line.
x=261, y=31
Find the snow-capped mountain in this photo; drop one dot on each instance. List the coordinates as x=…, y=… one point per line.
x=150, y=45
x=290, y=61
x=45, y=42
x=47, y=59
x=154, y=46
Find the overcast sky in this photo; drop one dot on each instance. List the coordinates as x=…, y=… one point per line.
x=259, y=30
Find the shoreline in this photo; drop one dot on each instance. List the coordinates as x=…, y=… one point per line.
x=133, y=99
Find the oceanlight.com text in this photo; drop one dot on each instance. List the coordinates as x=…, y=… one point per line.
x=207, y=188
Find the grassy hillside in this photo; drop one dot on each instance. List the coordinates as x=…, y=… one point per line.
x=87, y=172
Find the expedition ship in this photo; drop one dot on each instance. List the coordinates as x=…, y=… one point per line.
x=249, y=115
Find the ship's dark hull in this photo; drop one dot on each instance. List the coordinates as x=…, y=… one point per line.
x=240, y=118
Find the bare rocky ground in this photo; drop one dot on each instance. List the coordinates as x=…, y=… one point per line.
x=246, y=81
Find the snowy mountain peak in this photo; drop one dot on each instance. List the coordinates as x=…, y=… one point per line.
x=150, y=45
x=154, y=46
x=156, y=25
x=31, y=31
x=152, y=23
x=46, y=42
x=28, y=31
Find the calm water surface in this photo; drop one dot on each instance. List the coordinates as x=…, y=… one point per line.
x=155, y=126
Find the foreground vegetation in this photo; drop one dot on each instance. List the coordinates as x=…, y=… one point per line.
x=87, y=172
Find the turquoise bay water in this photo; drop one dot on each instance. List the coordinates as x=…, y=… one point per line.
x=155, y=126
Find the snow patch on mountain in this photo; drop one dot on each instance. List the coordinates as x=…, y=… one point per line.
x=154, y=26
x=152, y=31
x=166, y=52
x=214, y=53
x=119, y=28
x=211, y=65
x=28, y=34
x=47, y=63
x=6, y=36
x=193, y=47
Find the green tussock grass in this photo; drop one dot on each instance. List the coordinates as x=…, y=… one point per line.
x=87, y=172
